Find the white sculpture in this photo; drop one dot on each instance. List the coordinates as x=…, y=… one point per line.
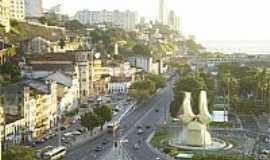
x=195, y=132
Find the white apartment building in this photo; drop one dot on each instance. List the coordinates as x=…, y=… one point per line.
x=17, y=9
x=174, y=21
x=33, y=8
x=163, y=11
x=126, y=20
x=4, y=14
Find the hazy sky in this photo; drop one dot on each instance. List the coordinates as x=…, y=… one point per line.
x=206, y=19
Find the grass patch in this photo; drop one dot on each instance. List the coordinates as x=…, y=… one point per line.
x=158, y=138
x=221, y=125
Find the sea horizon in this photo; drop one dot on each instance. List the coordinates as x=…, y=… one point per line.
x=238, y=46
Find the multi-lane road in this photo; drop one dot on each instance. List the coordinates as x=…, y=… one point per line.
x=151, y=113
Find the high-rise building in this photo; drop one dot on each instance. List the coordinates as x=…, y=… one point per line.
x=126, y=20
x=33, y=8
x=174, y=21
x=4, y=14
x=17, y=9
x=163, y=11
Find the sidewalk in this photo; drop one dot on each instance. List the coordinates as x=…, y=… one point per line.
x=97, y=132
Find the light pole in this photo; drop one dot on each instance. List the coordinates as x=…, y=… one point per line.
x=1, y=124
x=59, y=125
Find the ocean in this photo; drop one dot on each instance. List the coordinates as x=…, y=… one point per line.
x=229, y=47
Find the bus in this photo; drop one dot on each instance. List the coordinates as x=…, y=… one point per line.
x=55, y=153
x=114, y=126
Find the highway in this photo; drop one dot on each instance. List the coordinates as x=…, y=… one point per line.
x=144, y=114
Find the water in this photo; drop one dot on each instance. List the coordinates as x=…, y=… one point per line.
x=229, y=47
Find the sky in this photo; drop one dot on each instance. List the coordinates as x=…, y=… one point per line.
x=206, y=19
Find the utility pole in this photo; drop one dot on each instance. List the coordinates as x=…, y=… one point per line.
x=59, y=125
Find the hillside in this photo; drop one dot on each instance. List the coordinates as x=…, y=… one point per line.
x=23, y=30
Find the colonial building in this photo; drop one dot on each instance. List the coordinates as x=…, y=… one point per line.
x=77, y=64
x=32, y=104
x=35, y=46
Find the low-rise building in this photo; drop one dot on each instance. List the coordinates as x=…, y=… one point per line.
x=33, y=101
x=35, y=46
x=76, y=64
x=119, y=85
x=147, y=64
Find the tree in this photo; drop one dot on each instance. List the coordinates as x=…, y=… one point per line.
x=104, y=114
x=142, y=89
x=141, y=49
x=74, y=25
x=157, y=79
x=89, y=121
x=62, y=43
x=43, y=20
x=188, y=83
x=19, y=153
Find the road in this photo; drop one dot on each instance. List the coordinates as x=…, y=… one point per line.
x=144, y=114
x=152, y=118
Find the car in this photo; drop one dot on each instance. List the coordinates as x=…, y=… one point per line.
x=63, y=128
x=76, y=133
x=99, y=148
x=136, y=146
x=105, y=142
x=156, y=110
x=139, y=126
x=147, y=126
x=140, y=131
x=157, y=158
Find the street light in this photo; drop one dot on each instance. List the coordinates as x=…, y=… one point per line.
x=1, y=123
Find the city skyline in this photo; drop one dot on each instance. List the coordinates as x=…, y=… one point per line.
x=222, y=20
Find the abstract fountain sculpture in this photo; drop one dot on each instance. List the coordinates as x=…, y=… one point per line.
x=195, y=135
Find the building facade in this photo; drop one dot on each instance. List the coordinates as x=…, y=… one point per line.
x=17, y=9
x=33, y=8
x=35, y=46
x=4, y=14
x=174, y=21
x=126, y=20
x=163, y=11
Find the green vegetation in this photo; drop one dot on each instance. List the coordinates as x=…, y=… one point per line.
x=141, y=49
x=142, y=90
x=194, y=84
x=99, y=117
x=129, y=44
x=158, y=138
x=22, y=30
x=221, y=125
x=19, y=153
x=89, y=121
x=72, y=113
x=193, y=47
x=248, y=87
x=104, y=114
x=220, y=157
x=74, y=25
x=146, y=86
x=10, y=73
